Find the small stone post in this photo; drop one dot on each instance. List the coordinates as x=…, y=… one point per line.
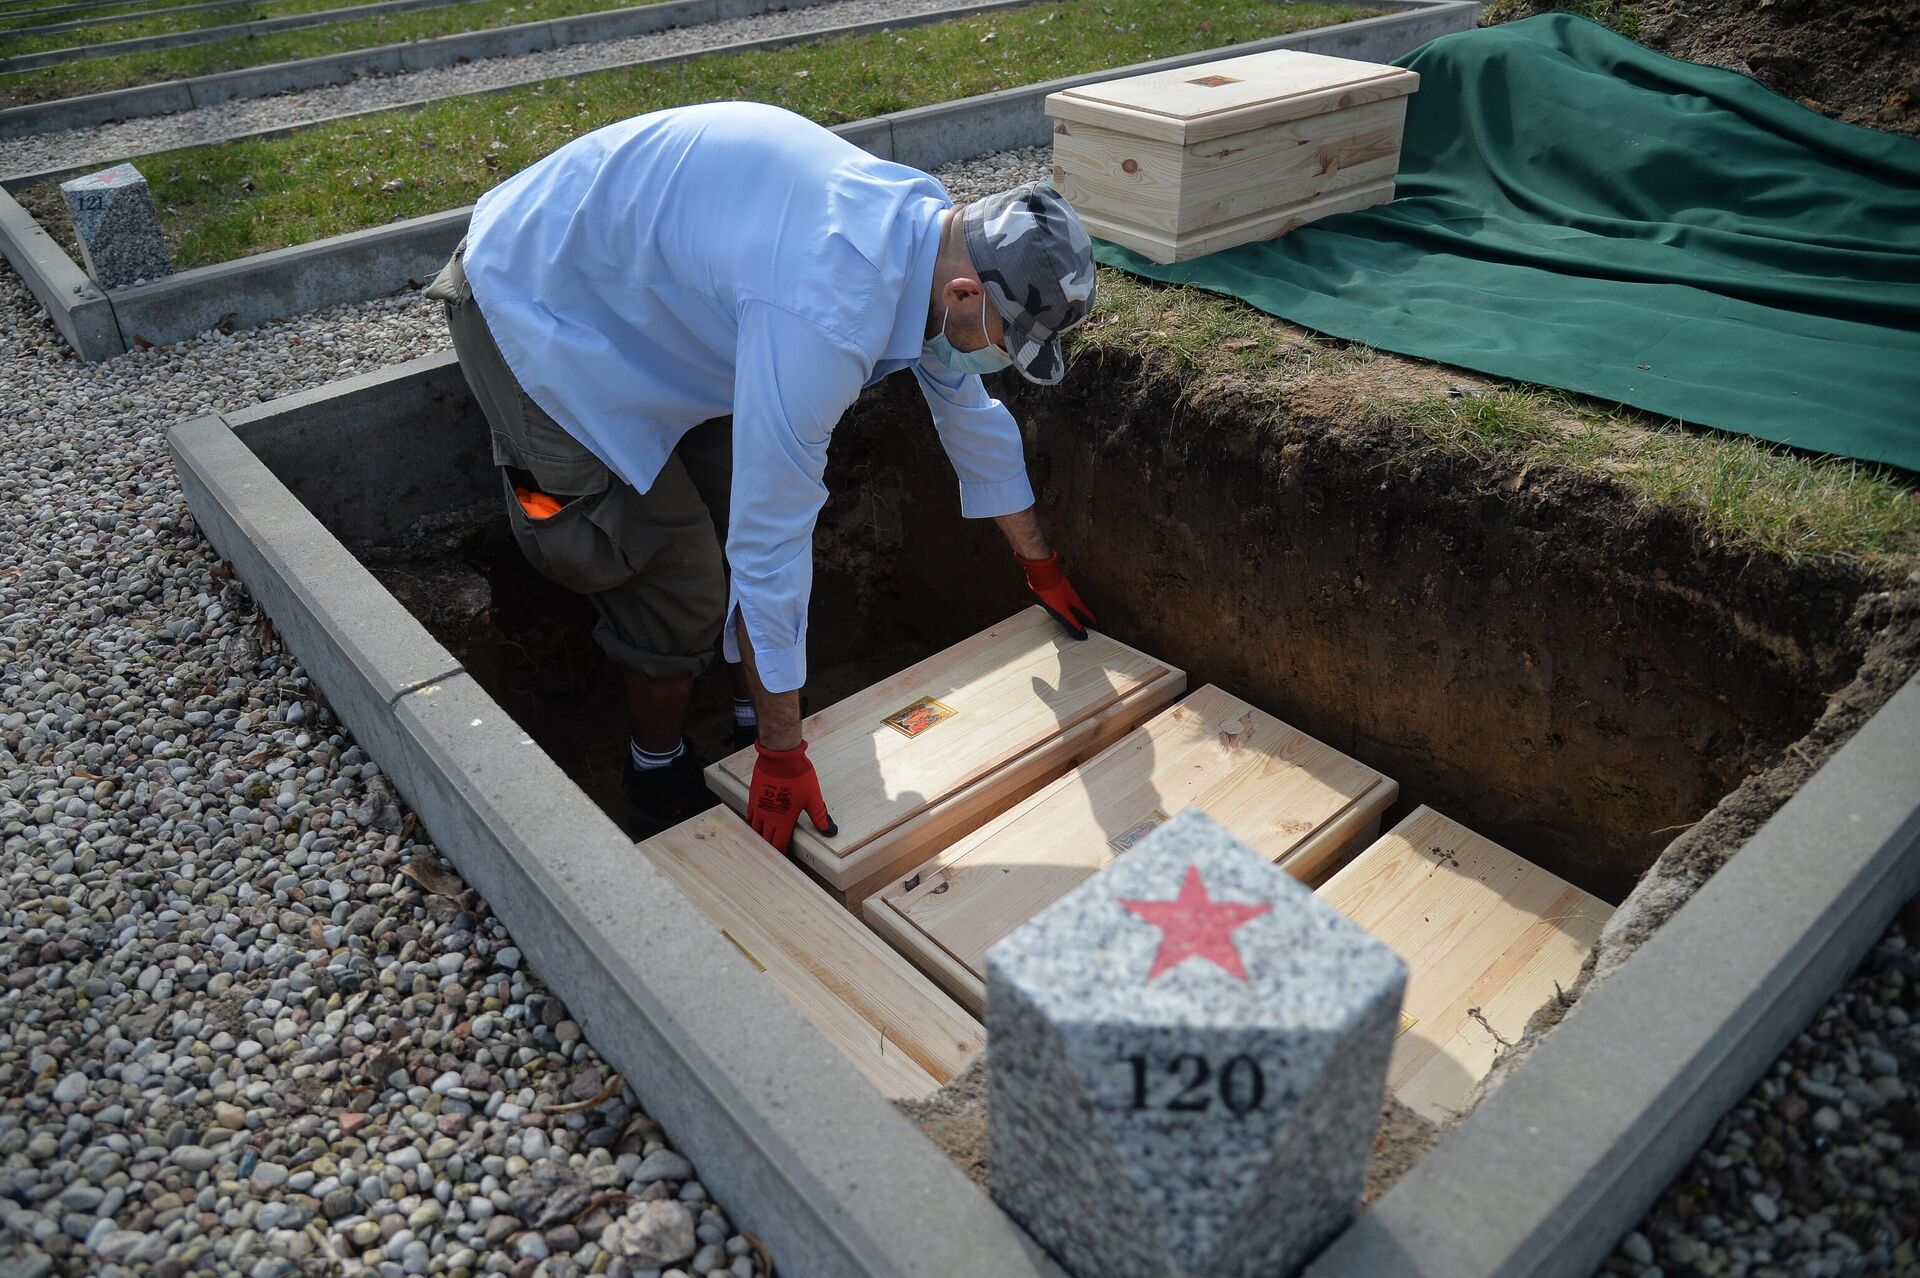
x=119, y=230
x=1188, y=1056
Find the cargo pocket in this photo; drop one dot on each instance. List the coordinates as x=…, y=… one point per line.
x=570, y=548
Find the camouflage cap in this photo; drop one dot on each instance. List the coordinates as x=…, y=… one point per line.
x=1036, y=262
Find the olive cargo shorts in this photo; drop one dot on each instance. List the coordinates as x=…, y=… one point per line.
x=651, y=562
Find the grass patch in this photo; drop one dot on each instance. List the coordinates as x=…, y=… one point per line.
x=95, y=75
x=226, y=201
x=134, y=25
x=1745, y=490
x=51, y=11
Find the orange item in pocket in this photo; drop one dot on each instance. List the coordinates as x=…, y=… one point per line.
x=537, y=505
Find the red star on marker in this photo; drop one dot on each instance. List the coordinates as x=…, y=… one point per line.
x=1196, y=926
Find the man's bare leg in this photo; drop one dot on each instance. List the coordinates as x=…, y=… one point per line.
x=657, y=710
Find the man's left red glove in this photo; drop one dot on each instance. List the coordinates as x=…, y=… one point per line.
x=784, y=786
x=1057, y=595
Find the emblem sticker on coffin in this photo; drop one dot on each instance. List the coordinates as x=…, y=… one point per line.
x=914, y=719
x=1137, y=831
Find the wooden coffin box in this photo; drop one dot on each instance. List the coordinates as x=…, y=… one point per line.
x=1176, y=164
x=917, y=760
x=1302, y=803
x=1487, y=937
x=902, y=1033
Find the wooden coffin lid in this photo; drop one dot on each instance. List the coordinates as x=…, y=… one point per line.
x=1214, y=99
x=1009, y=689
x=1278, y=790
x=1487, y=937
x=901, y=1031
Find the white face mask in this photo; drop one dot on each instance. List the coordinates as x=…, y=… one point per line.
x=988, y=359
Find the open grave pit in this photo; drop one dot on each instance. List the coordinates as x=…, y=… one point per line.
x=1581, y=677
x=1169, y=498
x=1577, y=677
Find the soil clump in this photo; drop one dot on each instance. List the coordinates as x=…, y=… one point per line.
x=1855, y=62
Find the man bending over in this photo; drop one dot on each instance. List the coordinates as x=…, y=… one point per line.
x=613, y=299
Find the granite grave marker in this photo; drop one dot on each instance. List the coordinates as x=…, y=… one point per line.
x=119, y=231
x=1189, y=1053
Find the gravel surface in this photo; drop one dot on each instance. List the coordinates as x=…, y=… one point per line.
x=1816, y=1173
x=251, y=1024
x=107, y=143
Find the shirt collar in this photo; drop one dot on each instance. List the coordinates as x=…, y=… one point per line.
x=910, y=320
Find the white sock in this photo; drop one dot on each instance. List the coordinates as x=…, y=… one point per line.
x=647, y=761
x=743, y=716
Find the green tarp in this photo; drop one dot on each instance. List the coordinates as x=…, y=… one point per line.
x=1577, y=211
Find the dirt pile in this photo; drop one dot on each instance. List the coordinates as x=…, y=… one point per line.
x=1855, y=62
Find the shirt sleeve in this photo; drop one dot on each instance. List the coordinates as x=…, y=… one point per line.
x=792, y=381
x=981, y=440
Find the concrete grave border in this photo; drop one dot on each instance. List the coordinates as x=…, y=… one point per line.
x=372, y=263
x=1541, y=1179
x=800, y=1149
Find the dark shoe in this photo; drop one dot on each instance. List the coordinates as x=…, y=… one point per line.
x=661, y=798
x=744, y=735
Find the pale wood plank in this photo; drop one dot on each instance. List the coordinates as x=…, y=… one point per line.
x=1486, y=936
x=895, y=1025
x=1029, y=702
x=1286, y=795
x=1177, y=195
x=1290, y=163
x=1268, y=226
x=1261, y=89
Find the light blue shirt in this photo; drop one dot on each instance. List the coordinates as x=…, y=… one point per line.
x=731, y=258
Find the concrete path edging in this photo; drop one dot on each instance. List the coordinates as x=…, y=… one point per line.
x=1565, y=1157
x=799, y=1148
x=360, y=265
x=127, y=16
x=197, y=35
x=168, y=96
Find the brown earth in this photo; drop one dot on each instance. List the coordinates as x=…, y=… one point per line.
x=1855, y=62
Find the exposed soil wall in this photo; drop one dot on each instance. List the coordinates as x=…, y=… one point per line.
x=1532, y=654
x=1855, y=60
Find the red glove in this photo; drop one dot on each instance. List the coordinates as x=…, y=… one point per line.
x=1057, y=594
x=784, y=786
